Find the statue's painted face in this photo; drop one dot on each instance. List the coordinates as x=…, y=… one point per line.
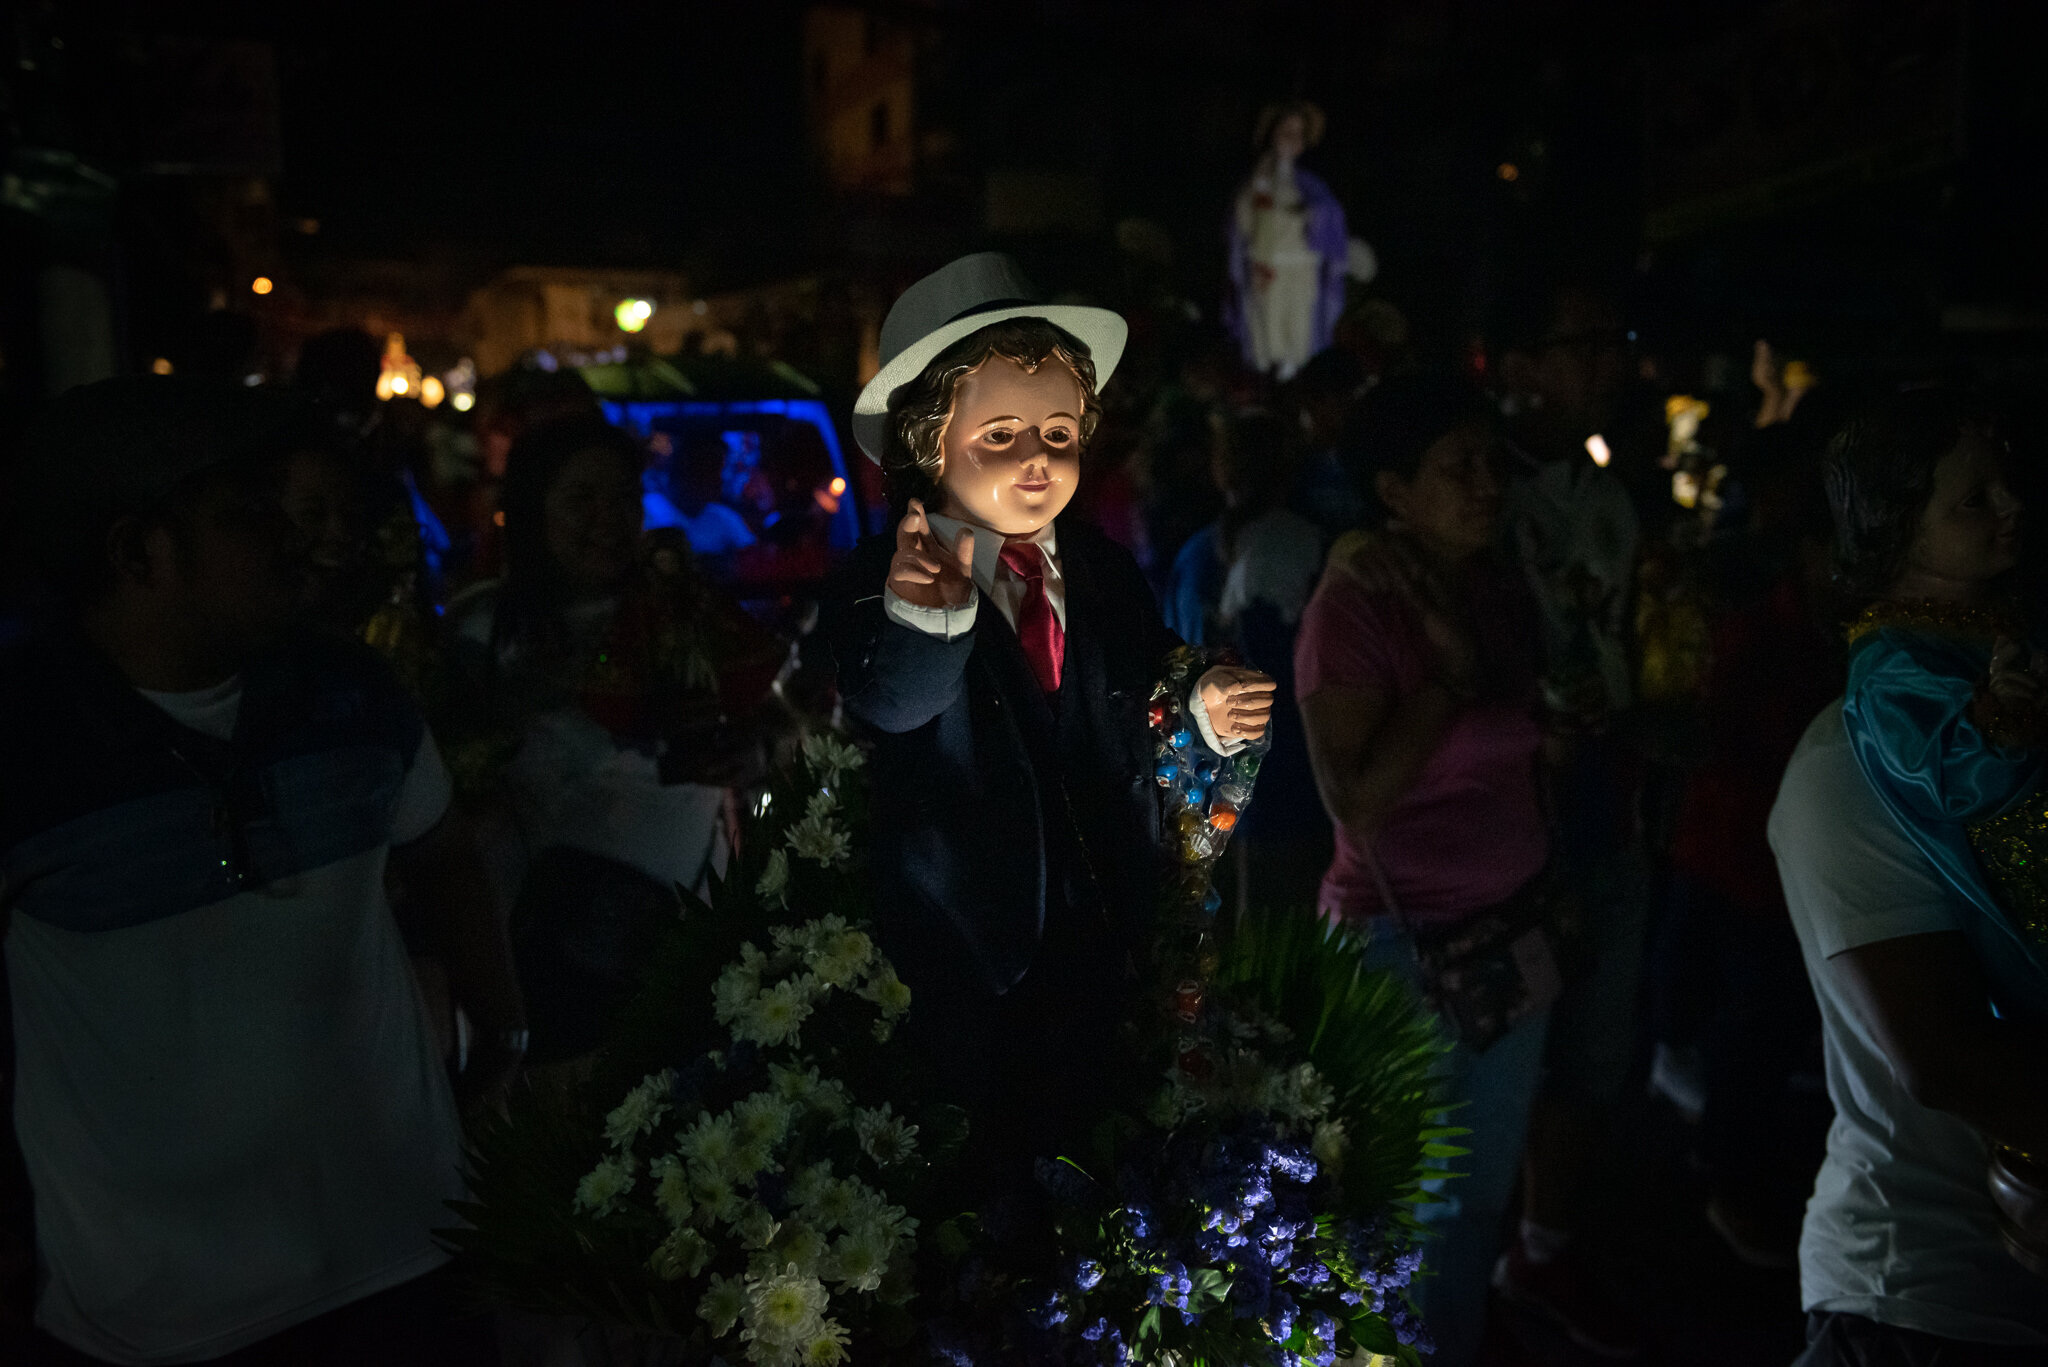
x=1290, y=137
x=1011, y=450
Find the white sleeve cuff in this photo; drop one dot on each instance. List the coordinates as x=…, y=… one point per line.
x=1200, y=712
x=424, y=796
x=948, y=624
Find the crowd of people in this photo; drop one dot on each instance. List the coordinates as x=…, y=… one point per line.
x=340, y=796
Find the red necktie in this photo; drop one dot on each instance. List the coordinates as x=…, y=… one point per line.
x=1038, y=629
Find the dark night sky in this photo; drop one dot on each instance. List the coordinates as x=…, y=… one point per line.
x=625, y=133
x=674, y=135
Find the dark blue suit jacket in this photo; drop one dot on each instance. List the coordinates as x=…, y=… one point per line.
x=1004, y=820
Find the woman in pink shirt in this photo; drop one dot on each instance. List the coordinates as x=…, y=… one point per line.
x=1416, y=675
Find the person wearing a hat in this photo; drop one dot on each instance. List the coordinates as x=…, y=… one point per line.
x=1003, y=657
x=237, y=1127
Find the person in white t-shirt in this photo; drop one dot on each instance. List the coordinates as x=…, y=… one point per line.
x=238, y=1131
x=1900, y=1258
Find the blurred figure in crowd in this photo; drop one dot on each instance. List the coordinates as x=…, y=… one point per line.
x=1176, y=448
x=506, y=405
x=235, y=1121
x=715, y=529
x=617, y=691
x=1563, y=360
x=338, y=371
x=1730, y=1015
x=1322, y=398
x=1244, y=581
x=1417, y=676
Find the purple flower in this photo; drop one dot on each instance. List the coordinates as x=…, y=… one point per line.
x=1096, y=1331
x=1044, y=1309
x=1292, y=1162
x=1084, y=1274
x=949, y=1348
x=1170, y=1287
x=1280, y=1316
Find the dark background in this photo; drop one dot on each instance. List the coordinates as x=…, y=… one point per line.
x=1857, y=180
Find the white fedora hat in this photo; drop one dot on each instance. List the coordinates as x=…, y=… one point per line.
x=955, y=300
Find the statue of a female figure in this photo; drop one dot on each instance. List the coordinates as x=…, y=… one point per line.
x=1287, y=249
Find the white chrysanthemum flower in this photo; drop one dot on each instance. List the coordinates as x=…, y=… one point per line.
x=710, y=1143
x=1309, y=1097
x=1329, y=1144
x=859, y=1260
x=783, y=1311
x=642, y=1109
x=773, y=884
x=775, y=1016
x=821, y=805
x=811, y=1186
x=886, y=1138
x=829, y=757
x=820, y=840
x=801, y=1246
x=599, y=1191
x=873, y=1213
x=794, y=1085
x=826, y=1348
x=831, y=1204
x=716, y=1195
x=736, y=988
x=762, y=1118
x=832, y=1100
x=751, y=1159
x=886, y=990
x=680, y=1256
x=671, y=1188
x=756, y=1227
x=723, y=1304
x=840, y=957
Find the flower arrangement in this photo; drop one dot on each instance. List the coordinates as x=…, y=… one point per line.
x=1258, y=1210
x=757, y=1170
x=746, y=1194
x=776, y=1202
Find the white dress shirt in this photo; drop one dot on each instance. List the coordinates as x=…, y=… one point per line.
x=1006, y=590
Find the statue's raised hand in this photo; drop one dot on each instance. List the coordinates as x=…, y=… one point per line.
x=924, y=572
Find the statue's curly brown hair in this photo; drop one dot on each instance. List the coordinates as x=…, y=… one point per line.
x=919, y=411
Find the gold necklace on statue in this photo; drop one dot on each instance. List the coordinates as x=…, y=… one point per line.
x=1949, y=619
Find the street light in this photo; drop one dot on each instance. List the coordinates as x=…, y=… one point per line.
x=632, y=314
x=262, y=284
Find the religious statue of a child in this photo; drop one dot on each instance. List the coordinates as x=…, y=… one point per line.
x=1003, y=658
